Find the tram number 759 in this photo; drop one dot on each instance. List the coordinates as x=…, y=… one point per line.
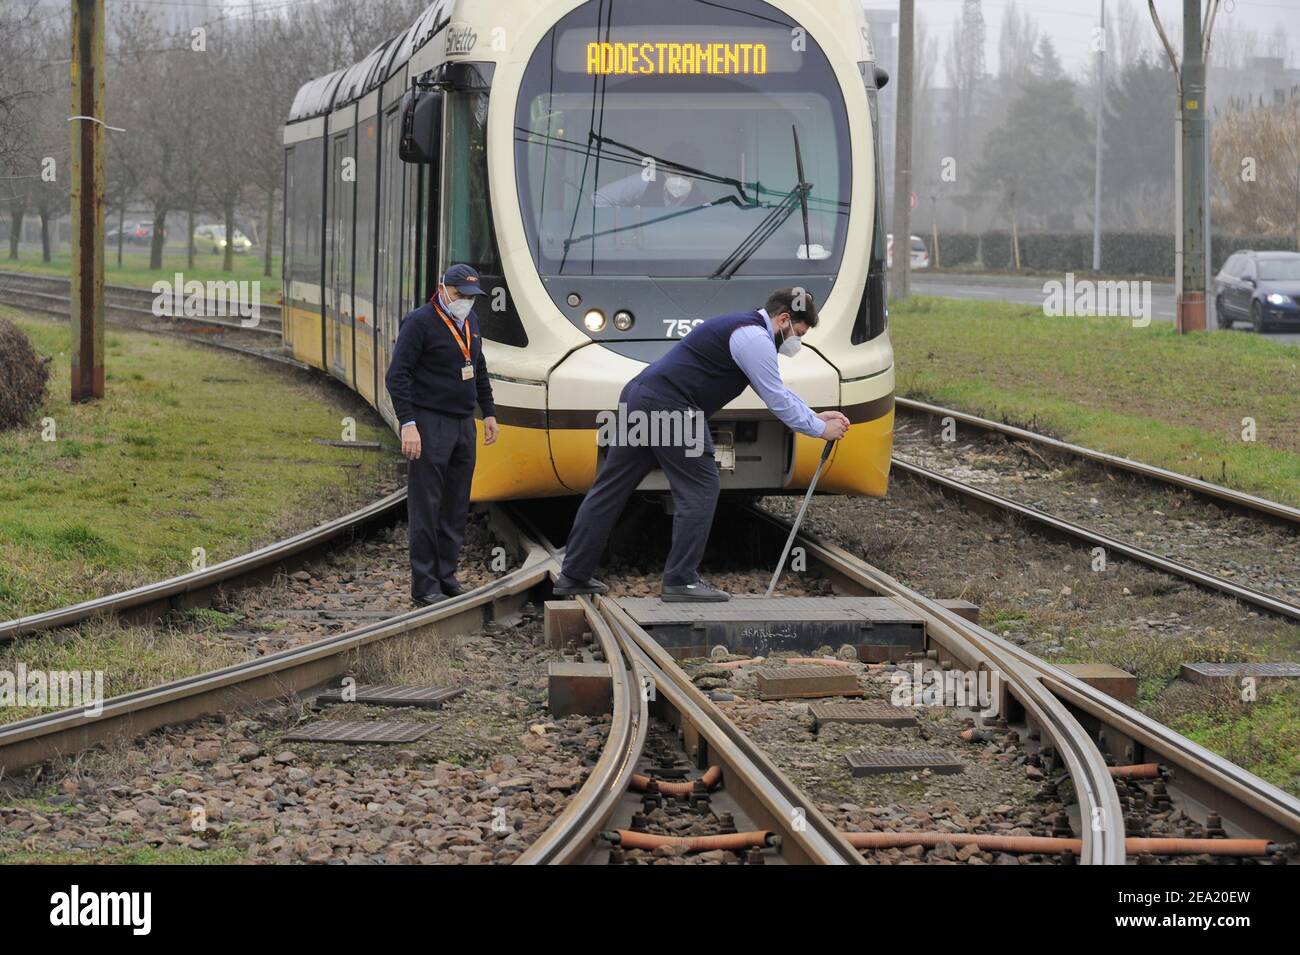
x=679, y=328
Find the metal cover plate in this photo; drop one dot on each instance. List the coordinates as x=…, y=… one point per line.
x=776, y=683
x=868, y=711
x=868, y=763
x=651, y=611
x=1205, y=672
x=395, y=694
x=358, y=731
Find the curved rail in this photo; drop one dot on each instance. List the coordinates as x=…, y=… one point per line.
x=976, y=648
x=1217, y=785
x=153, y=600
x=752, y=779
x=570, y=837
x=756, y=784
x=1237, y=499
x=66, y=732
x=1091, y=538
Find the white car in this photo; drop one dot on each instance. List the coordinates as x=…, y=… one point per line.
x=213, y=238
x=920, y=257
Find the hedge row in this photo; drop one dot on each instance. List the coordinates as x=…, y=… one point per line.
x=1122, y=253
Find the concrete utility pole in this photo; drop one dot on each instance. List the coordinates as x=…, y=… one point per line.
x=1096, y=189
x=1191, y=304
x=902, y=221
x=87, y=161
x=1191, y=240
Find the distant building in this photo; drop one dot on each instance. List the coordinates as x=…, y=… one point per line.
x=1264, y=79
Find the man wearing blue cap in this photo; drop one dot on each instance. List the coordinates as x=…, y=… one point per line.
x=436, y=377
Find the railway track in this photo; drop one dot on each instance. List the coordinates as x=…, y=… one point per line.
x=1084, y=721
x=1239, y=500
x=133, y=308
x=1078, y=727
x=987, y=501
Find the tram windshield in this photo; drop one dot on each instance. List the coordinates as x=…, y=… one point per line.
x=675, y=150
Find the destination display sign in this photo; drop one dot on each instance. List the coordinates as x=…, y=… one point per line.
x=676, y=59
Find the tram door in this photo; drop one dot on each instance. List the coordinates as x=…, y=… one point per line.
x=338, y=292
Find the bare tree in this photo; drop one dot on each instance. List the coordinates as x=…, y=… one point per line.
x=1256, y=156
x=1017, y=41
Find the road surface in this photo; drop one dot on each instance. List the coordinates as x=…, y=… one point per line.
x=1026, y=290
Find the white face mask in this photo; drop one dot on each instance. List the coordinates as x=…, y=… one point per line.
x=677, y=186
x=790, y=344
x=460, y=308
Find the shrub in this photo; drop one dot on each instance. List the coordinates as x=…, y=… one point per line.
x=957, y=248
x=24, y=377
x=995, y=250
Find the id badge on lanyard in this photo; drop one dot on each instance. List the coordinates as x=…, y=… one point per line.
x=467, y=370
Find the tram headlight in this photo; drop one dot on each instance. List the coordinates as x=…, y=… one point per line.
x=623, y=320
x=594, y=320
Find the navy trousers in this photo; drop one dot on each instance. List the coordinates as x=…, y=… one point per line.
x=437, y=499
x=694, y=482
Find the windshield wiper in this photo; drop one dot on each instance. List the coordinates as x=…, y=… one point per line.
x=568, y=243
x=771, y=223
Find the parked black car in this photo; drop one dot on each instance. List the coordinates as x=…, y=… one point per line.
x=1262, y=288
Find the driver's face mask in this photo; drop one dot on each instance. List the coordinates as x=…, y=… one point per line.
x=787, y=342
x=679, y=187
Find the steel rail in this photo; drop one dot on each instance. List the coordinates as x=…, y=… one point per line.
x=760, y=788
x=1219, y=785
x=59, y=305
x=751, y=778
x=570, y=837
x=1091, y=538
x=151, y=601
x=128, y=298
x=1238, y=499
x=67, y=732
x=1102, y=819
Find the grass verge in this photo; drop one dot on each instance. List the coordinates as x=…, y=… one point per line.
x=1180, y=402
x=135, y=271
x=190, y=448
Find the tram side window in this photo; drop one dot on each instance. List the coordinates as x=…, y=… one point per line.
x=390, y=239
x=306, y=214
x=364, y=306
x=468, y=234
x=287, y=243
x=873, y=313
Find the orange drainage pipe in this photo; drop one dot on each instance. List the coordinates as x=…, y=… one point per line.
x=711, y=778
x=733, y=840
x=1053, y=846
x=737, y=664
x=1136, y=771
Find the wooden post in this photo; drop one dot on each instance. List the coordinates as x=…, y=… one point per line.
x=87, y=188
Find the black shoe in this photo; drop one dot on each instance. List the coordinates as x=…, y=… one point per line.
x=454, y=589
x=698, y=592
x=428, y=600
x=568, y=587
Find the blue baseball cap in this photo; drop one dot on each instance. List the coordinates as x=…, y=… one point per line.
x=464, y=280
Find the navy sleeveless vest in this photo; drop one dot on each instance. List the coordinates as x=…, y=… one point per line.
x=699, y=372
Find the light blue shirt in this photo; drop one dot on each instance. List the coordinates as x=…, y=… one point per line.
x=755, y=352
